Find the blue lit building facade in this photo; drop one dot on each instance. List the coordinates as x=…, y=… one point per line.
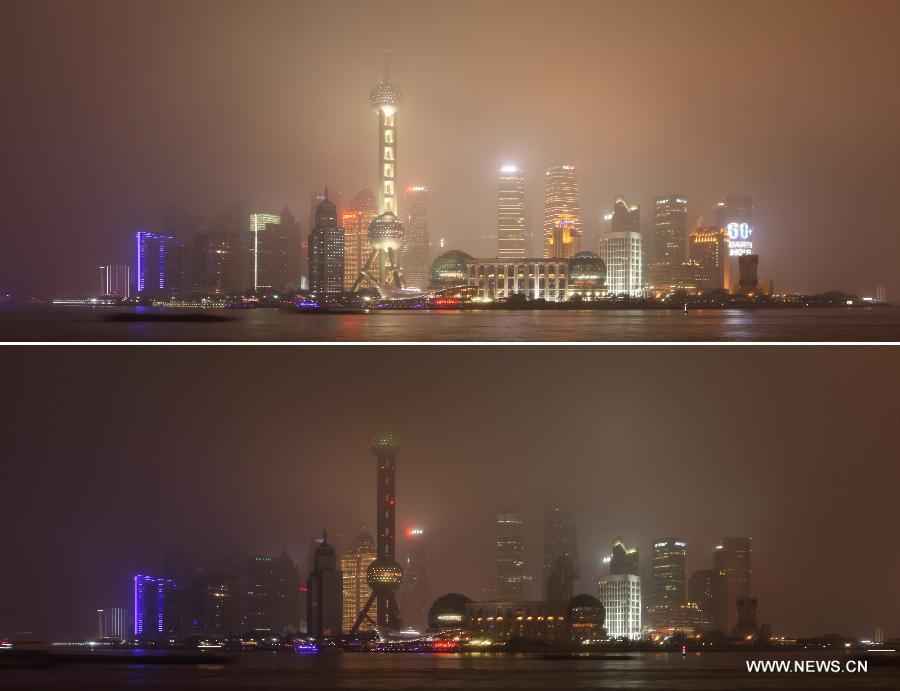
x=154, y=606
x=158, y=263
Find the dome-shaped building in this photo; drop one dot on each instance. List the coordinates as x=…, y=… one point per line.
x=447, y=612
x=385, y=94
x=587, y=276
x=450, y=269
x=587, y=615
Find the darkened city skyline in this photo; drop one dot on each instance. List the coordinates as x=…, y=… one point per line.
x=119, y=111
x=118, y=455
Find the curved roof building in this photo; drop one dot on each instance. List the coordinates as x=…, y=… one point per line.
x=447, y=612
x=450, y=269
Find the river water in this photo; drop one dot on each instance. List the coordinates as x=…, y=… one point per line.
x=261, y=670
x=80, y=323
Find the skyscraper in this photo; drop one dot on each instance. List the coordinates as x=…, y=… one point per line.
x=324, y=606
x=667, y=579
x=621, y=248
x=709, y=248
x=384, y=575
x=272, y=594
x=734, y=213
x=115, y=279
x=259, y=224
x=510, y=557
x=217, y=262
x=708, y=589
x=621, y=598
x=158, y=264
x=669, y=246
x=511, y=233
x=416, y=246
x=733, y=558
x=414, y=595
x=562, y=213
x=355, y=219
x=154, y=606
x=560, y=540
x=326, y=252
x=354, y=565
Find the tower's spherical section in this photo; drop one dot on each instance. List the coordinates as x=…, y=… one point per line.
x=384, y=441
x=385, y=94
x=384, y=574
x=450, y=269
x=386, y=232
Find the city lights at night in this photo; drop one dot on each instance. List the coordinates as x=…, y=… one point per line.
x=445, y=344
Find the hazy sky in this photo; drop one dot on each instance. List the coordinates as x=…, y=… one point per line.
x=115, y=110
x=112, y=455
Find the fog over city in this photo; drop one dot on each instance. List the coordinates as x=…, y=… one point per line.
x=114, y=456
x=117, y=111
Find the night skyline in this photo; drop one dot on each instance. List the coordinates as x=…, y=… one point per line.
x=788, y=446
x=106, y=131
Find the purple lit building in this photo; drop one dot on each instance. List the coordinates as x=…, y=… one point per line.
x=154, y=606
x=158, y=263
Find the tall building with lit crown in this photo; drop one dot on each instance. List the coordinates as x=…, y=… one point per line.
x=510, y=557
x=621, y=248
x=115, y=279
x=512, y=240
x=386, y=232
x=354, y=565
x=562, y=213
x=669, y=248
x=414, y=255
x=326, y=252
x=623, y=560
x=384, y=575
x=258, y=225
x=355, y=219
x=709, y=248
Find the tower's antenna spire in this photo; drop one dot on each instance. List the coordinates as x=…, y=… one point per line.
x=387, y=65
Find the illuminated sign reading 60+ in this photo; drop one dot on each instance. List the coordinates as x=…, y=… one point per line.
x=739, y=239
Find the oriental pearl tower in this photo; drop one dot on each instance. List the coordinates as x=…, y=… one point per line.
x=386, y=232
x=384, y=575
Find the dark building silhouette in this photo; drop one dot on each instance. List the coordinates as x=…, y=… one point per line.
x=218, y=262
x=746, y=617
x=707, y=588
x=748, y=273
x=384, y=575
x=326, y=252
x=448, y=612
x=624, y=561
x=733, y=558
x=560, y=540
x=273, y=586
x=667, y=573
x=561, y=580
x=324, y=591
x=414, y=595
